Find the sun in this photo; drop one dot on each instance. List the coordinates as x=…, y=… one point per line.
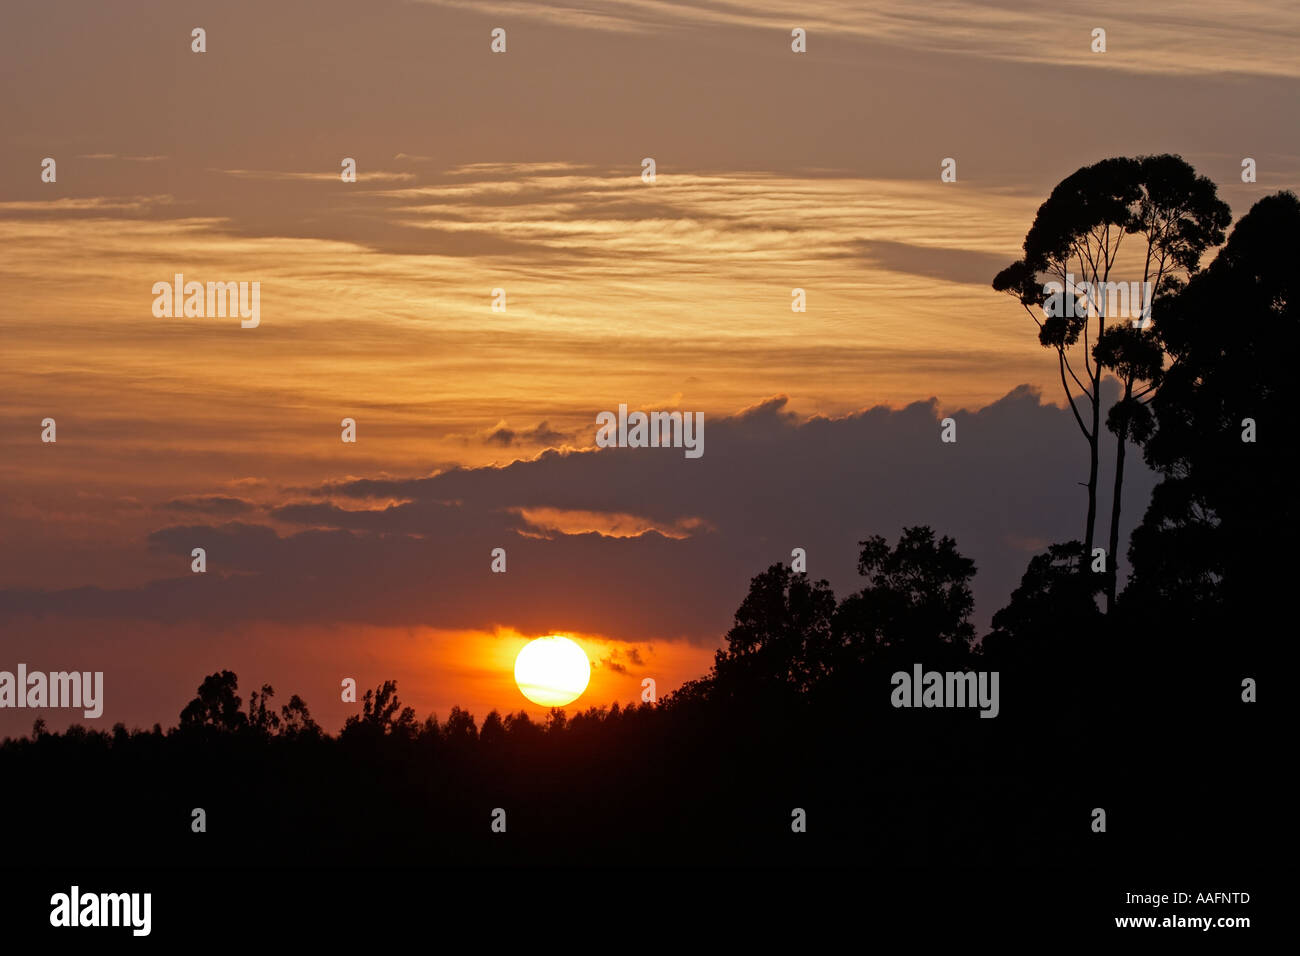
x=552, y=671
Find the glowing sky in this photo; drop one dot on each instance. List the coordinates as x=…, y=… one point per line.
x=522, y=171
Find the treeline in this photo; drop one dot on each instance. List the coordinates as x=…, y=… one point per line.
x=795, y=718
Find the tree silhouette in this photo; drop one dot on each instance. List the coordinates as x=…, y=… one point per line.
x=557, y=721
x=781, y=641
x=1135, y=356
x=261, y=718
x=216, y=706
x=296, y=721
x=1052, y=615
x=382, y=714
x=520, y=728
x=459, y=730
x=1078, y=232
x=1179, y=215
x=791, y=641
x=1211, y=530
x=1079, y=227
x=493, y=732
x=916, y=604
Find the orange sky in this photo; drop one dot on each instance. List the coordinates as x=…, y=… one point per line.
x=522, y=172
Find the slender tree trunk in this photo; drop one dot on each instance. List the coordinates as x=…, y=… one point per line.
x=1095, y=438
x=1115, y=503
x=1092, y=500
x=1093, y=441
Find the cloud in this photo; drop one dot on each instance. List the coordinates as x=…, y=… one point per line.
x=272, y=175
x=931, y=262
x=131, y=159
x=516, y=170
x=507, y=437
x=770, y=481
x=614, y=660
x=611, y=662
x=215, y=505
x=608, y=523
x=1247, y=36
x=90, y=205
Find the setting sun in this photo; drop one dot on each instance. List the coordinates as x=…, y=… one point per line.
x=552, y=671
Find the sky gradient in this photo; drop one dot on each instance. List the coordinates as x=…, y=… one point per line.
x=476, y=428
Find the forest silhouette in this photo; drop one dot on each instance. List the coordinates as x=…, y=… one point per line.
x=1117, y=692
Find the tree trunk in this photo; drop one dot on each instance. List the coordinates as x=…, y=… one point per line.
x=1120, y=449
x=1092, y=499
x=1093, y=441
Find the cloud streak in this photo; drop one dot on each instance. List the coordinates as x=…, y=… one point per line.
x=1162, y=36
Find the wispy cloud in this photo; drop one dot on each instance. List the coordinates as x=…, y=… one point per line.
x=272, y=175
x=503, y=436
x=215, y=505
x=1159, y=36
x=130, y=159
x=610, y=524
